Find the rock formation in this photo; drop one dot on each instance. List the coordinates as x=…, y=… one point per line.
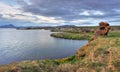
x=102, y=30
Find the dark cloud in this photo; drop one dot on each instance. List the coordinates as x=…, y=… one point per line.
x=115, y=20
x=21, y=2
x=85, y=23
x=1, y=15
x=71, y=9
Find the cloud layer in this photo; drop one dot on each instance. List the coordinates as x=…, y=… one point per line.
x=78, y=12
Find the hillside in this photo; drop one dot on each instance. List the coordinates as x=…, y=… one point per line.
x=100, y=55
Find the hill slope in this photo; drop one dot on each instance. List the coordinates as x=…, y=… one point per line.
x=101, y=54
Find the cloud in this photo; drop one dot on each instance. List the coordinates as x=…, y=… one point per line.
x=86, y=22
x=10, y=12
x=67, y=7
x=62, y=11
x=72, y=9
x=92, y=13
x=80, y=21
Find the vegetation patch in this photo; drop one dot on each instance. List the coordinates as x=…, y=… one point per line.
x=73, y=36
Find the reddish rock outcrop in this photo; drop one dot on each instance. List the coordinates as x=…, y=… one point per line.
x=102, y=30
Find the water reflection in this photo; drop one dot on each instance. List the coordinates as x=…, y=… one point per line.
x=18, y=45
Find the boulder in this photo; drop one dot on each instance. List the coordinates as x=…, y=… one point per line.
x=102, y=30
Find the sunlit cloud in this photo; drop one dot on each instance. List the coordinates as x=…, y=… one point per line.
x=92, y=13
x=10, y=12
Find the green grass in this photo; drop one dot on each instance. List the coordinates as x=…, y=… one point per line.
x=114, y=34
x=73, y=36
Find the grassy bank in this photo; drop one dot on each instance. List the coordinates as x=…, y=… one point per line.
x=83, y=35
x=101, y=55
x=74, y=36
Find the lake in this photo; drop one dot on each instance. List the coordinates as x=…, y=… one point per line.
x=19, y=45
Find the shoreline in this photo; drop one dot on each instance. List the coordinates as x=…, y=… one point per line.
x=95, y=56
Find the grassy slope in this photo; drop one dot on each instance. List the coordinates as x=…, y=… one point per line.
x=101, y=55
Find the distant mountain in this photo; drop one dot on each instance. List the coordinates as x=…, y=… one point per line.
x=8, y=26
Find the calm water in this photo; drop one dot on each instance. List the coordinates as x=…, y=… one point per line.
x=18, y=45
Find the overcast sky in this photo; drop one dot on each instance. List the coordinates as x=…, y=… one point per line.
x=59, y=12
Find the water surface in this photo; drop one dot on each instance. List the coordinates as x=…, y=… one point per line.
x=18, y=45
